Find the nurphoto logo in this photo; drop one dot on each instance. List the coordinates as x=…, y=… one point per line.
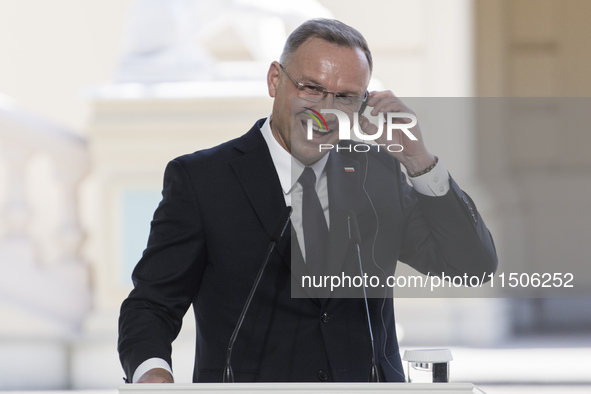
x=345, y=128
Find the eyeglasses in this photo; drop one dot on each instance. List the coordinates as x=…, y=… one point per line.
x=315, y=94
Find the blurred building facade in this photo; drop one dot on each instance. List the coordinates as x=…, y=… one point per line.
x=68, y=275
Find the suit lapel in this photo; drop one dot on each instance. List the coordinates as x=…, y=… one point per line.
x=257, y=175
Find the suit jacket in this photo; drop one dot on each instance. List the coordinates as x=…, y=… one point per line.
x=210, y=233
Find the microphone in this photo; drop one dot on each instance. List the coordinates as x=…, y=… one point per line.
x=276, y=236
x=355, y=237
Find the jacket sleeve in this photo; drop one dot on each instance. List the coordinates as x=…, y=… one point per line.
x=167, y=277
x=446, y=234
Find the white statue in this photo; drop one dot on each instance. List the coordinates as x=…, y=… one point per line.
x=167, y=40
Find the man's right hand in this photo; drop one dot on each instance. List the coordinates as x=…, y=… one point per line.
x=156, y=375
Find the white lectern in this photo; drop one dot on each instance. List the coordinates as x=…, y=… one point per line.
x=301, y=388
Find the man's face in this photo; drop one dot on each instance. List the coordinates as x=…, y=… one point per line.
x=316, y=62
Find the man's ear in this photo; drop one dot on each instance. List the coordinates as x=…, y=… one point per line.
x=273, y=78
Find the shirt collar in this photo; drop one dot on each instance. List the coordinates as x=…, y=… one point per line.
x=288, y=168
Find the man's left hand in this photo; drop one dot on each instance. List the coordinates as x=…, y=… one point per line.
x=414, y=155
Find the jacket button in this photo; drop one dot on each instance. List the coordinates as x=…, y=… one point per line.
x=322, y=375
x=324, y=317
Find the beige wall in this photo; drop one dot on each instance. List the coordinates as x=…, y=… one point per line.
x=533, y=48
x=540, y=48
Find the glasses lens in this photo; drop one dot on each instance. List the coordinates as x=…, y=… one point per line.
x=348, y=103
x=307, y=97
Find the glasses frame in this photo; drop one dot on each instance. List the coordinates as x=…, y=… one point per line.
x=325, y=92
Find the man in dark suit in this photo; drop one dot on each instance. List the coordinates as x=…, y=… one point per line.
x=219, y=207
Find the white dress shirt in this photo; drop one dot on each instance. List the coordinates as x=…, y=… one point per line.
x=289, y=170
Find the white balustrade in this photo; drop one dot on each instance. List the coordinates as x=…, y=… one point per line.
x=44, y=278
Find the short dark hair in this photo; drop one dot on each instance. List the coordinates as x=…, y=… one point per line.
x=329, y=30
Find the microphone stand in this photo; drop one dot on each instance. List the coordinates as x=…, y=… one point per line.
x=356, y=238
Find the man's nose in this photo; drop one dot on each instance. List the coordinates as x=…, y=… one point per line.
x=328, y=100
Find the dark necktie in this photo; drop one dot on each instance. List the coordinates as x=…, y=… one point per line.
x=313, y=223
